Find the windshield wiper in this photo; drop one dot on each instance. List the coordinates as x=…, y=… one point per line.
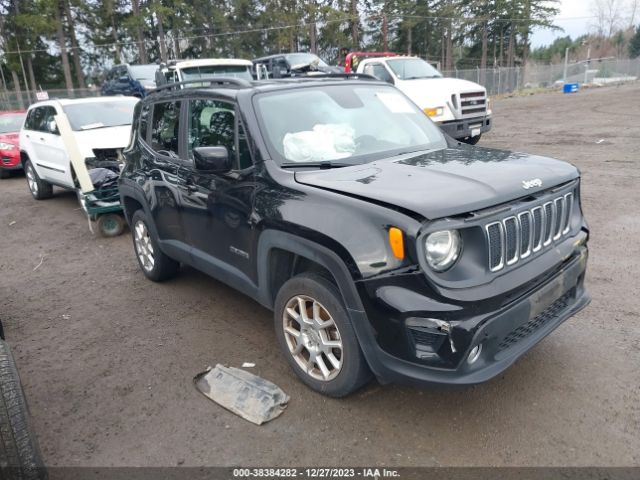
x=321, y=165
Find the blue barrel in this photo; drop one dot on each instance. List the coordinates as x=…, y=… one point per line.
x=570, y=87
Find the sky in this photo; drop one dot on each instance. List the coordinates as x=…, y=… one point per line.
x=574, y=27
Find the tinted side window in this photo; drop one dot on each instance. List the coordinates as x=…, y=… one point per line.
x=378, y=71
x=48, y=116
x=213, y=123
x=144, y=123
x=33, y=118
x=165, y=128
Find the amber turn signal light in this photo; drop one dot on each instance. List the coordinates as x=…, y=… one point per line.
x=396, y=240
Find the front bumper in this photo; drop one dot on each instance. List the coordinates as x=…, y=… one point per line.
x=10, y=160
x=505, y=333
x=469, y=127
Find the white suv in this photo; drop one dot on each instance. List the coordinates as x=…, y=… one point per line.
x=97, y=124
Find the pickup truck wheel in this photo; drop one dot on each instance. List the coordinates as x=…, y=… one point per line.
x=39, y=189
x=154, y=264
x=19, y=452
x=317, y=338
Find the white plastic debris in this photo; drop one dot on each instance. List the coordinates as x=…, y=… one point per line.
x=245, y=394
x=329, y=141
x=248, y=365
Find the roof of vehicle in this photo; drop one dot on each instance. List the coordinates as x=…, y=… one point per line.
x=209, y=61
x=74, y=101
x=229, y=87
x=268, y=57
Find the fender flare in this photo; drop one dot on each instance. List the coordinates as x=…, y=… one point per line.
x=271, y=239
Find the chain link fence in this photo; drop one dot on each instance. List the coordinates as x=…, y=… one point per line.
x=499, y=80
x=502, y=80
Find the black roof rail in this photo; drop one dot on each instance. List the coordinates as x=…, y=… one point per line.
x=346, y=76
x=213, y=82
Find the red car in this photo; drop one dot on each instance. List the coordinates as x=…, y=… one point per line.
x=10, y=125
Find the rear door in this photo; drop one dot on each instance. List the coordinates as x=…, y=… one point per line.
x=50, y=155
x=161, y=157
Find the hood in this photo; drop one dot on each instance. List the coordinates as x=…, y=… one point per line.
x=111, y=137
x=445, y=182
x=428, y=91
x=10, y=138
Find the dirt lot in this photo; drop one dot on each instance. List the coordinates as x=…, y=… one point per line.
x=107, y=358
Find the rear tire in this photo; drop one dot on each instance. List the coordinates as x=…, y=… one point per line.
x=153, y=262
x=316, y=336
x=40, y=190
x=20, y=457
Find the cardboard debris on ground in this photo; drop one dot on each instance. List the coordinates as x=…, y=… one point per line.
x=245, y=394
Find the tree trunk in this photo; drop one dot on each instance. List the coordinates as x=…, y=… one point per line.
x=501, y=46
x=161, y=39
x=511, y=50
x=483, y=58
x=32, y=77
x=525, y=40
x=74, y=45
x=16, y=87
x=385, y=33
x=114, y=35
x=176, y=45
x=313, y=32
x=450, y=46
x=142, y=51
x=62, y=43
x=355, y=20
x=409, y=39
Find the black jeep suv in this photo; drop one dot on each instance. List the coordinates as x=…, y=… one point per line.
x=381, y=245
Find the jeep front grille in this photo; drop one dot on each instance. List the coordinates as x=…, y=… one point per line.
x=515, y=237
x=473, y=104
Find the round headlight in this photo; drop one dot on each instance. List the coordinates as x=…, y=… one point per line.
x=442, y=249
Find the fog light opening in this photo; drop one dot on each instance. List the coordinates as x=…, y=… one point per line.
x=474, y=354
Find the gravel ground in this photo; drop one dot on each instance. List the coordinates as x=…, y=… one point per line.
x=107, y=358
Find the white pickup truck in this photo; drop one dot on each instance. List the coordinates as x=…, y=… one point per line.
x=461, y=108
x=185, y=70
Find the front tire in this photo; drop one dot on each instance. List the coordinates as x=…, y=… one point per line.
x=316, y=336
x=40, y=190
x=154, y=263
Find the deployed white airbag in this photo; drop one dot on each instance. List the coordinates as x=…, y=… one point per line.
x=329, y=141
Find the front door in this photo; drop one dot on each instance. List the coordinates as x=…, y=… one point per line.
x=218, y=206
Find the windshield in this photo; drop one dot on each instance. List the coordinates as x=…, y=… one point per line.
x=350, y=123
x=92, y=115
x=412, y=68
x=304, y=59
x=209, y=71
x=143, y=72
x=11, y=123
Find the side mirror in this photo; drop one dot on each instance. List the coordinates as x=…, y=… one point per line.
x=212, y=159
x=52, y=127
x=123, y=79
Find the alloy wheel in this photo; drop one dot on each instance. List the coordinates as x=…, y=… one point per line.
x=144, y=248
x=312, y=337
x=32, y=181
